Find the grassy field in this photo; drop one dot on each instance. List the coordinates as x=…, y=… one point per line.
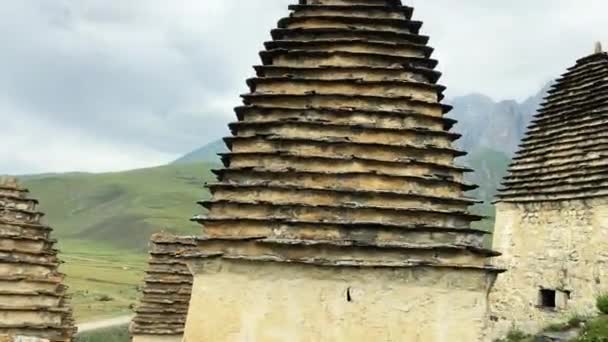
x=104, y=281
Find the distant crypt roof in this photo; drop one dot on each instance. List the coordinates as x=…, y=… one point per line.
x=341, y=155
x=33, y=300
x=565, y=152
x=166, y=293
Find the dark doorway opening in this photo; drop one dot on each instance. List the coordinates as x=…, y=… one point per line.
x=547, y=298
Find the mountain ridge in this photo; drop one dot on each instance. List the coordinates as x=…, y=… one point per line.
x=206, y=153
x=498, y=125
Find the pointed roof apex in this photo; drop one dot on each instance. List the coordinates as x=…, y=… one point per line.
x=9, y=182
x=598, y=47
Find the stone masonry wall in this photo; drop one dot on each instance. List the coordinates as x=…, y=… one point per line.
x=557, y=246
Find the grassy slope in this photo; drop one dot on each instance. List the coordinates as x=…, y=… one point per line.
x=104, y=281
x=122, y=209
x=490, y=167
x=104, y=221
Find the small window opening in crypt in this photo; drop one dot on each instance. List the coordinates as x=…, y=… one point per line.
x=554, y=299
x=547, y=298
x=349, y=297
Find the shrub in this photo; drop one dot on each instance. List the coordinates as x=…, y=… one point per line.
x=104, y=298
x=602, y=304
x=557, y=327
x=595, y=330
x=516, y=336
x=577, y=320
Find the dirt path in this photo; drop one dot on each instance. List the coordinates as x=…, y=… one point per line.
x=107, y=323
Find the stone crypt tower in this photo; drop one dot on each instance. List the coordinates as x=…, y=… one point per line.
x=161, y=313
x=34, y=305
x=552, y=213
x=340, y=214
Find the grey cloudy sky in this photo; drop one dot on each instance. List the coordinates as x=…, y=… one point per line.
x=103, y=85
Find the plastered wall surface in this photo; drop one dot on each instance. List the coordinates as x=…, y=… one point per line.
x=553, y=245
x=242, y=301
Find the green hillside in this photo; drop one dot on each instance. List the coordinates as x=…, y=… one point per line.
x=122, y=209
x=490, y=167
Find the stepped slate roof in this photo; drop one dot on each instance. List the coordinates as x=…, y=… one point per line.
x=564, y=154
x=166, y=293
x=341, y=155
x=33, y=300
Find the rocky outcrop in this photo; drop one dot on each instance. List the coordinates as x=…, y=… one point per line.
x=486, y=124
x=33, y=299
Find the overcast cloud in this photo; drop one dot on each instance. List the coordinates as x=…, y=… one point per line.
x=101, y=85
